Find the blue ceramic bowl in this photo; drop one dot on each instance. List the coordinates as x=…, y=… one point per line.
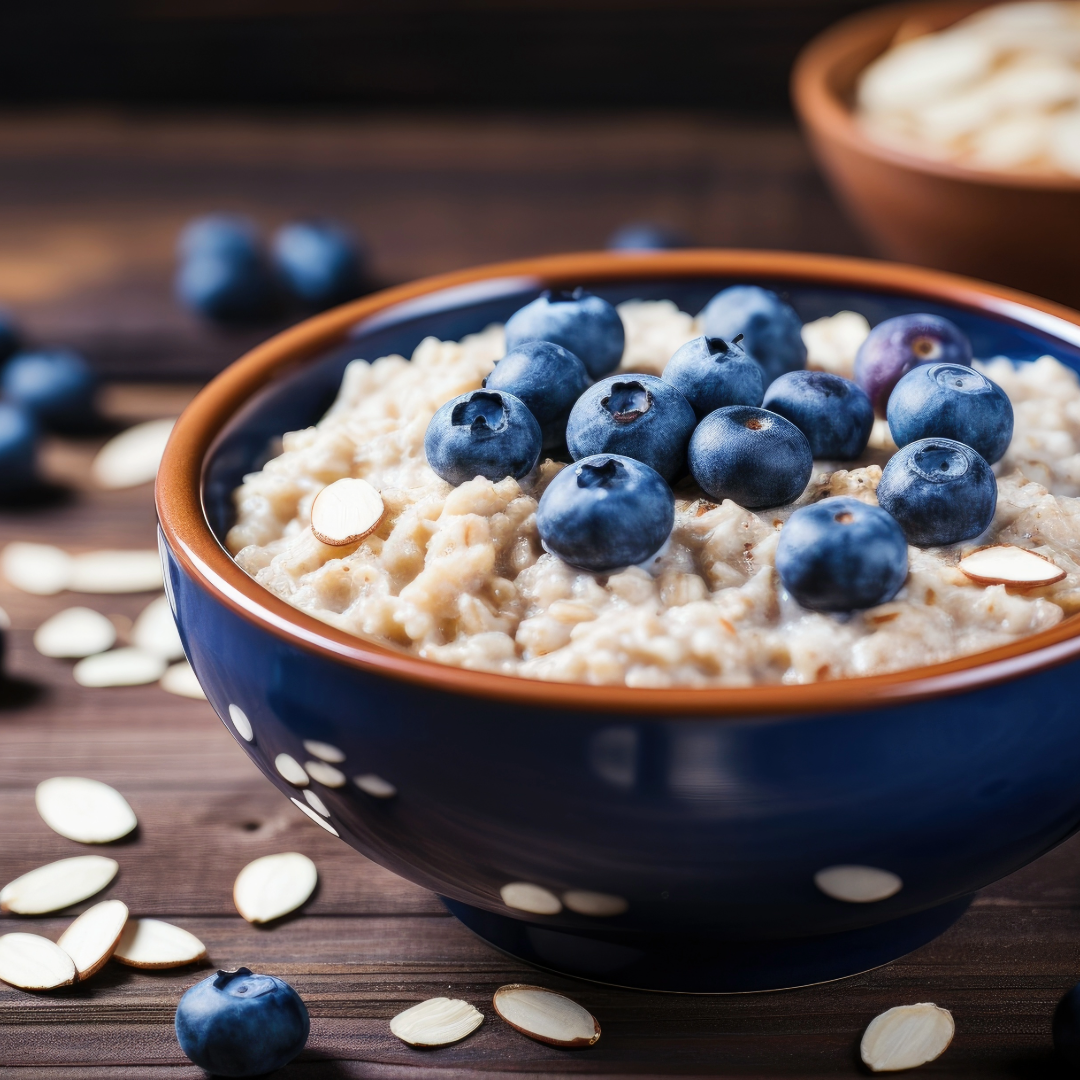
x=671, y=839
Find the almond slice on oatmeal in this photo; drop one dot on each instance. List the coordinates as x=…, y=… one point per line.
x=1006, y=564
x=92, y=937
x=546, y=1016
x=346, y=511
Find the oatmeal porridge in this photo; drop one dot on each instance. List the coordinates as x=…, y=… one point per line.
x=458, y=574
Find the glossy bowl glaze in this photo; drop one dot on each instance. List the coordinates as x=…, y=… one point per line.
x=1017, y=229
x=702, y=818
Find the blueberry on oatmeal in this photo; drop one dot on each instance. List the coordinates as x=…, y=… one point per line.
x=895, y=346
x=754, y=457
x=712, y=373
x=771, y=329
x=638, y=416
x=586, y=325
x=841, y=554
x=605, y=512
x=547, y=378
x=482, y=433
x=939, y=490
x=952, y=401
x=833, y=413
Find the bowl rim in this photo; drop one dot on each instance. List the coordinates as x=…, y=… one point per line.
x=186, y=528
x=824, y=114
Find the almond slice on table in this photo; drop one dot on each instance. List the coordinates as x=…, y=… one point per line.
x=906, y=1037
x=1006, y=564
x=57, y=885
x=133, y=456
x=546, y=1016
x=116, y=572
x=84, y=810
x=40, y=569
x=436, y=1022
x=119, y=667
x=180, y=679
x=92, y=937
x=155, y=631
x=151, y=943
x=33, y=962
x=345, y=512
x=274, y=885
x=74, y=633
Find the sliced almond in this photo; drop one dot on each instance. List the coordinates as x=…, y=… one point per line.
x=92, y=937
x=75, y=632
x=906, y=1037
x=274, y=885
x=1006, y=564
x=115, y=572
x=325, y=751
x=36, y=568
x=133, y=456
x=84, y=810
x=290, y=769
x=180, y=679
x=858, y=884
x=598, y=905
x=151, y=943
x=436, y=1022
x=306, y=810
x=524, y=896
x=155, y=631
x=119, y=667
x=546, y=1016
x=57, y=885
x=33, y=962
x=346, y=511
x=325, y=774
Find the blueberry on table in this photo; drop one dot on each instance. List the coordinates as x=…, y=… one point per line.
x=771, y=329
x=232, y=236
x=841, y=555
x=237, y=1023
x=547, y=378
x=55, y=385
x=897, y=345
x=606, y=512
x=319, y=262
x=647, y=236
x=951, y=401
x=18, y=450
x=833, y=413
x=939, y=490
x=638, y=416
x=1066, y=1027
x=586, y=325
x=752, y=456
x=10, y=336
x=482, y=433
x=712, y=373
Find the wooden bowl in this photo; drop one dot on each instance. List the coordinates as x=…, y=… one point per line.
x=1020, y=230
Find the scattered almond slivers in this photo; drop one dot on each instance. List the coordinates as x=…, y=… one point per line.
x=346, y=511
x=92, y=937
x=116, y=572
x=180, y=679
x=74, y=633
x=436, y=1022
x=119, y=667
x=1006, y=564
x=155, y=631
x=40, y=569
x=57, y=885
x=84, y=810
x=906, y=1037
x=133, y=456
x=274, y=885
x=546, y=1016
x=151, y=943
x=33, y=962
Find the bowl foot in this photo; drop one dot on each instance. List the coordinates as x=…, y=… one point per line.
x=695, y=964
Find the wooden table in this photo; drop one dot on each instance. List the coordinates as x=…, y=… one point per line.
x=369, y=944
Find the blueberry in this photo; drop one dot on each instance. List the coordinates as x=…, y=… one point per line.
x=10, y=337
x=841, y=554
x=1066, y=1027
x=897, y=345
x=482, y=433
x=751, y=456
x=772, y=331
x=833, y=413
x=18, y=449
x=939, y=490
x=548, y=378
x=584, y=324
x=319, y=262
x=237, y=1023
x=226, y=288
x=606, y=512
x=648, y=236
x=951, y=401
x=56, y=385
x=231, y=236
x=638, y=416
x=712, y=373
